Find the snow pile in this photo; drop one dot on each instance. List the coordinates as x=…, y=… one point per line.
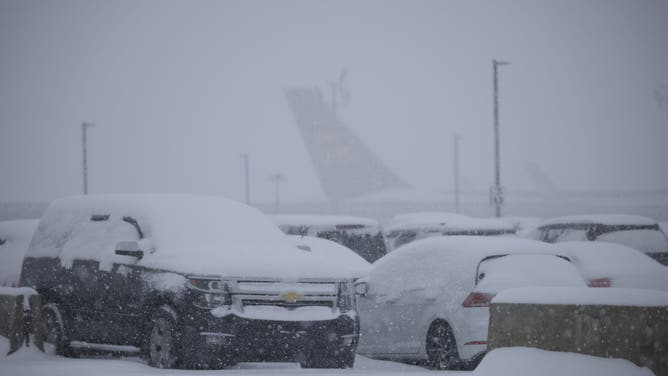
x=583, y=296
x=332, y=253
x=21, y=355
x=188, y=234
x=14, y=240
x=527, y=270
x=624, y=266
x=522, y=361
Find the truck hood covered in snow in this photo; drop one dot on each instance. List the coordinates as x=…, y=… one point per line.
x=182, y=233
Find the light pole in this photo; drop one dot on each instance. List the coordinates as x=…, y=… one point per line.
x=84, y=142
x=247, y=177
x=455, y=141
x=277, y=178
x=497, y=191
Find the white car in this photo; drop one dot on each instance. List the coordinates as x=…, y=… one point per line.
x=429, y=300
x=605, y=264
x=640, y=233
x=15, y=237
x=405, y=228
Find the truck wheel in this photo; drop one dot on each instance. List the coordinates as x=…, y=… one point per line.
x=164, y=339
x=55, y=341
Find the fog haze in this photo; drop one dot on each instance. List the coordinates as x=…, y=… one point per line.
x=178, y=90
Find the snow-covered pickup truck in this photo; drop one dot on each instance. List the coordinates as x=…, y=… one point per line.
x=196, y=282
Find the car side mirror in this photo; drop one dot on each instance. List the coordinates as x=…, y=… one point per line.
x=129, y=248
x=361, y=288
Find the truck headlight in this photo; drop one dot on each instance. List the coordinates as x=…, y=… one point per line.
x=209, y=292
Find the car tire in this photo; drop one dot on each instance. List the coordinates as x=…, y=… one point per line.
x=164, y=339
x=53, y=326
x=441, y=347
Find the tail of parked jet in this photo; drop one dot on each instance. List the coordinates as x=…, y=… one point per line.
x=345, y=165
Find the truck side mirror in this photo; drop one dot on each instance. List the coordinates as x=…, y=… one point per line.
x=129, y=248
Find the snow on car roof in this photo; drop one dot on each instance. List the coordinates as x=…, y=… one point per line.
x=605, y=219
x=189, y=234
x=581, y=296
x=321, y=220
x=333, y=253
x=446, y=221
x=625, y=266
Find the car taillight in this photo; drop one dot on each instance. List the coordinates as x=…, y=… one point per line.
x=600, y=282
x=478, y=299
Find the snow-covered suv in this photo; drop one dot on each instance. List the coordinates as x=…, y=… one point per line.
x=189, y=281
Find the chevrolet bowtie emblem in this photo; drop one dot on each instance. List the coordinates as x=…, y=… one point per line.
x=291, y=296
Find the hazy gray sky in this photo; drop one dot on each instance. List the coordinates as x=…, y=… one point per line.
x=179, y=89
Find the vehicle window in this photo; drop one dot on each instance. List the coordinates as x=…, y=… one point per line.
x=562, y=234
x=405, y=237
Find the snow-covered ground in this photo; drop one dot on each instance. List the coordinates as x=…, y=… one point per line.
x=31, y=362
x=501, y=362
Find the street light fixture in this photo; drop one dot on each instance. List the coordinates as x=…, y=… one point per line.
x=277, y=178
x=455, y=142
x=497, y=191
x=84, y=143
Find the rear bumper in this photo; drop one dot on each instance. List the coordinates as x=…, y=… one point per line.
x=244, y=339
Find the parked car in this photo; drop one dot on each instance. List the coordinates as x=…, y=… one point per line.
x=605, y=264
x=405, y=228
x=188, y=281
x=362, y=235
x=15, y=237
x=522, y=224
x=640, y=233
x=331, y=252
x=428, y=300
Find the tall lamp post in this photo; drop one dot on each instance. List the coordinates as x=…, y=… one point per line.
x=246, y=177
x=497, y=190
x=84, y=143
x=277, y=178
x=455, y=142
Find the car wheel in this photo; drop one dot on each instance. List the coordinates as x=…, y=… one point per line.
x=164, y=339
x=441, y=347
x=55, y=342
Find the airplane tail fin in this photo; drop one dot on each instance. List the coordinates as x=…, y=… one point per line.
x=345, y=165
